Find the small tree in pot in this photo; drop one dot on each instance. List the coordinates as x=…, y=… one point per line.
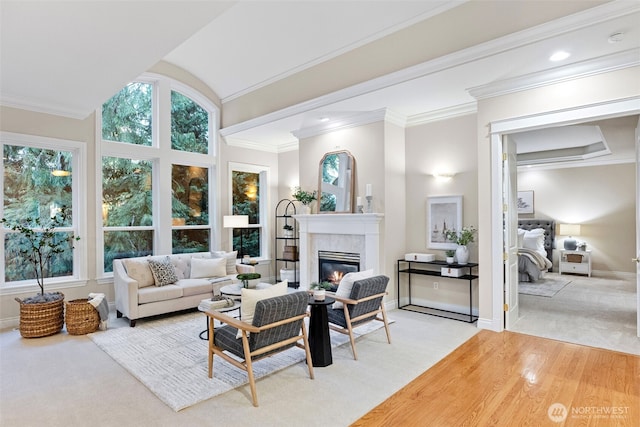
x=305, y=197
x=40, y=243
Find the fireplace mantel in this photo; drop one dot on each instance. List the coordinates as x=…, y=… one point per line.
x=332, y=231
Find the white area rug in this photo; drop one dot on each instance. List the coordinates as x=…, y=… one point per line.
x=167, y=356
x=547, y=287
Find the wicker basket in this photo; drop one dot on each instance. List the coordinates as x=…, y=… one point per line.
x=574, y=258
x=81, y=317
x=41, y=319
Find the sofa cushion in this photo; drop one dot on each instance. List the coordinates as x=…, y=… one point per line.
x=138, y=269
x=213, y=267
x=250, y=298
x=230, y=257
x=346, y=284
x=164, y=273
x=181, y=264
x=195, y=287
x=159, y=293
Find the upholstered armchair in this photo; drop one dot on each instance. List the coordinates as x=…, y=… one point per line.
x=363, y=305
x=278, y=324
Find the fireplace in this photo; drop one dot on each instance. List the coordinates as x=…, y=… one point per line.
x=332, y=266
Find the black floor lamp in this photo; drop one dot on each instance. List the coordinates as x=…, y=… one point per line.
x=236, y=221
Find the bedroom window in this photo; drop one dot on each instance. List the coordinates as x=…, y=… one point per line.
x=156, y=177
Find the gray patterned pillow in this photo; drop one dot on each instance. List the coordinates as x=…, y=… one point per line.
x=163, y=271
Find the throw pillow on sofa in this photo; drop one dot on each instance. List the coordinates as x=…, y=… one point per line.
x=208, y=267
x=138, y=270
x=164, y=273
x=250, y=298
x=230, y=258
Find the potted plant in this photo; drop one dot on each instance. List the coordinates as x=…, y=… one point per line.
x=245, y=277
x=462, y=239
x=304, y=197
x=450, y=253
x=42, y=314
x=319, y=290
x=288, y=230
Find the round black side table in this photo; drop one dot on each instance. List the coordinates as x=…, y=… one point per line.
x=319, y=340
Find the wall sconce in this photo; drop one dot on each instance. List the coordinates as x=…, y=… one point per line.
x=443, y=176
x=569, y=230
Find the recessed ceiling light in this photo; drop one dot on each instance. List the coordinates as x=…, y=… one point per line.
x=324, y=119
x=559, y=56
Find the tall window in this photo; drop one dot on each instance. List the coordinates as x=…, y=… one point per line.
x=38, y=180
x=156, y=176
x=246, y=191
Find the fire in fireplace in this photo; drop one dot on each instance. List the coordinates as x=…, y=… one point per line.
x=334, y=265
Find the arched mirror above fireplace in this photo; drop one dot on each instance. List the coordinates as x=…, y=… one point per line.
x=336, y=180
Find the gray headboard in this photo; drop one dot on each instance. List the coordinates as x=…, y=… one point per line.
x=549, y=227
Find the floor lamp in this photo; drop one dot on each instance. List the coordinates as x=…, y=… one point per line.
x=236, y=221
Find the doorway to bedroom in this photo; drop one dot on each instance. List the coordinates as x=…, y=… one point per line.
x=602, y=310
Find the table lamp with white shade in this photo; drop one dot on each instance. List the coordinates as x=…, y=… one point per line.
x=236, y=221
x=570, y=230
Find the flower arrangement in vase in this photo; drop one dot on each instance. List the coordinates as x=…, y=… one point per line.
x=305, y=197
x=462, y=239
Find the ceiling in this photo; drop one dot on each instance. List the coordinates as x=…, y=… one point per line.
x=67, y=58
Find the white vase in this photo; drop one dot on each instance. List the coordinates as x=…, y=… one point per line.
x=305, y=209
x=319, y=294
x=462, y=254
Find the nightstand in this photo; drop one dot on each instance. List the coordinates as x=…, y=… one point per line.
x=578, y=262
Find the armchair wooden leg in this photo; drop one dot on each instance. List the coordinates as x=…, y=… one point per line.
x=386, y=323
x=350, y=330
x=211, y=331
x=249, y=366
x=305, y=341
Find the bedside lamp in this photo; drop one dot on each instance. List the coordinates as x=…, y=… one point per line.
x=570, y=230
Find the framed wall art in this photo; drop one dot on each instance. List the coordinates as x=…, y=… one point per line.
x=525, y=202
x=443, y=213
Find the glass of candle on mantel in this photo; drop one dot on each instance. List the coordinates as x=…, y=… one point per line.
x=359, y=205
x=369, y=198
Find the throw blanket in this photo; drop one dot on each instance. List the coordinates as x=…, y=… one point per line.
x=531, y=263
x=100, y=303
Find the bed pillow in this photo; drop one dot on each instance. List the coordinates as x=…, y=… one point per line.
x=208, y=267
x=164, y=273
x=230, y=257
x=346, y=284
x=521, y=234
x=250, y=298
x=534, y=239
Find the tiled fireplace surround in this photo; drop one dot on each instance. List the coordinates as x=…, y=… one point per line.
x=356, y=233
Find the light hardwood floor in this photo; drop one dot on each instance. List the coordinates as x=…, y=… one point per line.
x=511, y=379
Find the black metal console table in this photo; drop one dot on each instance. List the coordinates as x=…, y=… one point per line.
x=434, y=268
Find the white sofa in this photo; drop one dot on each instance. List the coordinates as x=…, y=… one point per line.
x=142, y=292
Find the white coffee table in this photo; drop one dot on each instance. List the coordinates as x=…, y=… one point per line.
x=205, y=305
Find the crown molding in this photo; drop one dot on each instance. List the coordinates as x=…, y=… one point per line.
x=41, y=107
x=443, y=114
x=252, y=145
x=355, y=120
x=559, y=26
x=578, y=70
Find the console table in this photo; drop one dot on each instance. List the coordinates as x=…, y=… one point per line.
x=434, y=268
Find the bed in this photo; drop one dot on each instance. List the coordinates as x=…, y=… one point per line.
x=536, y=241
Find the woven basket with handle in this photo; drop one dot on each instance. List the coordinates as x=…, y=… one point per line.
x=81, y=317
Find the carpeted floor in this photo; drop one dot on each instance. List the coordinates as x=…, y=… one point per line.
x=167, y=356
x=546, y=287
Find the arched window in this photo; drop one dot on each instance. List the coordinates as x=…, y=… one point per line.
x=158, y=166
